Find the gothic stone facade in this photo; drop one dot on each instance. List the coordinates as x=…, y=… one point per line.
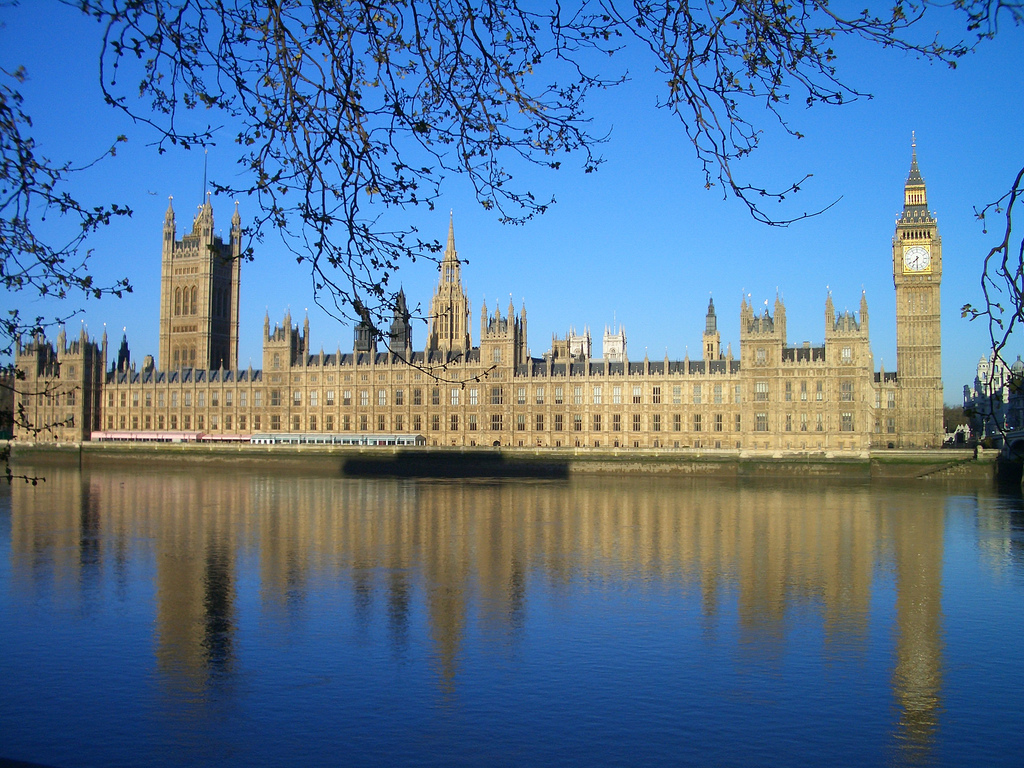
x=772, y=397
x=57, y=388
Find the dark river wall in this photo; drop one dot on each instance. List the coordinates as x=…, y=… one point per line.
x=512, y=462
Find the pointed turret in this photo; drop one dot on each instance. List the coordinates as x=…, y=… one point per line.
x=523, y=350
x=124, y=355
x=400, y=336
x=365, y=334
x=915, y=196
x=780, y=318
x=236, y=231
x=202, y=225
x=712, y=347
x=304, y=343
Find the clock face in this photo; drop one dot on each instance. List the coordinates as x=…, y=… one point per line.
x=916, y=258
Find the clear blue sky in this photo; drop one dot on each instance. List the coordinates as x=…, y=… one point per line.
x=640, y=241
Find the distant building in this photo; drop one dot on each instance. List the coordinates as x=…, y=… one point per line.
x=773, y=396
x=995, y=402
x=613, y=345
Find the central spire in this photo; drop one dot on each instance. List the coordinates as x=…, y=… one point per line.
x=450, y=250
x=449, y=309
x=450, y=263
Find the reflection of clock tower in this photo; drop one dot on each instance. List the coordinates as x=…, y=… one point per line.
x=917, y=273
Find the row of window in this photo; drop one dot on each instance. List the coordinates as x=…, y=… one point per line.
x=186, y=301
x=49, y=398
x=183, y=356
x=496, y=395
x=559, y=423
x=846, y=391
x=761, y=356
x=805, y=424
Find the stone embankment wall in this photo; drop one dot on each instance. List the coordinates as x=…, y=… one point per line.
x=933, y=465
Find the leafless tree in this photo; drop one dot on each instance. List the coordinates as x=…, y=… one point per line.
x=343, y=110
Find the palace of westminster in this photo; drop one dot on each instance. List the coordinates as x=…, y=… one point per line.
x=773, y=396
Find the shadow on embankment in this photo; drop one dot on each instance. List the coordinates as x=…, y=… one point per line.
x=421, y=463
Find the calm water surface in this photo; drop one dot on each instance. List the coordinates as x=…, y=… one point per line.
x=246, y=619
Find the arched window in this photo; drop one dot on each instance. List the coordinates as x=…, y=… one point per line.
x=192, y=351
x=194, y=302
x=177, y=301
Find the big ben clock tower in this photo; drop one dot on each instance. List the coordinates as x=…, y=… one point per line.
x=917, y=274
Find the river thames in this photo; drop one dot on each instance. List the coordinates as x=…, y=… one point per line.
x=197, y=617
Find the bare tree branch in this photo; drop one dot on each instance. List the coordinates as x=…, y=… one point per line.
x=344, y=111
x=33, y=188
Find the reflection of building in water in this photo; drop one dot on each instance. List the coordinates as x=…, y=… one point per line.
x=1000, y=522
x=191, y=518
x=917, y=679
x=465, y=555
x=62, y=548
x=84, y=524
